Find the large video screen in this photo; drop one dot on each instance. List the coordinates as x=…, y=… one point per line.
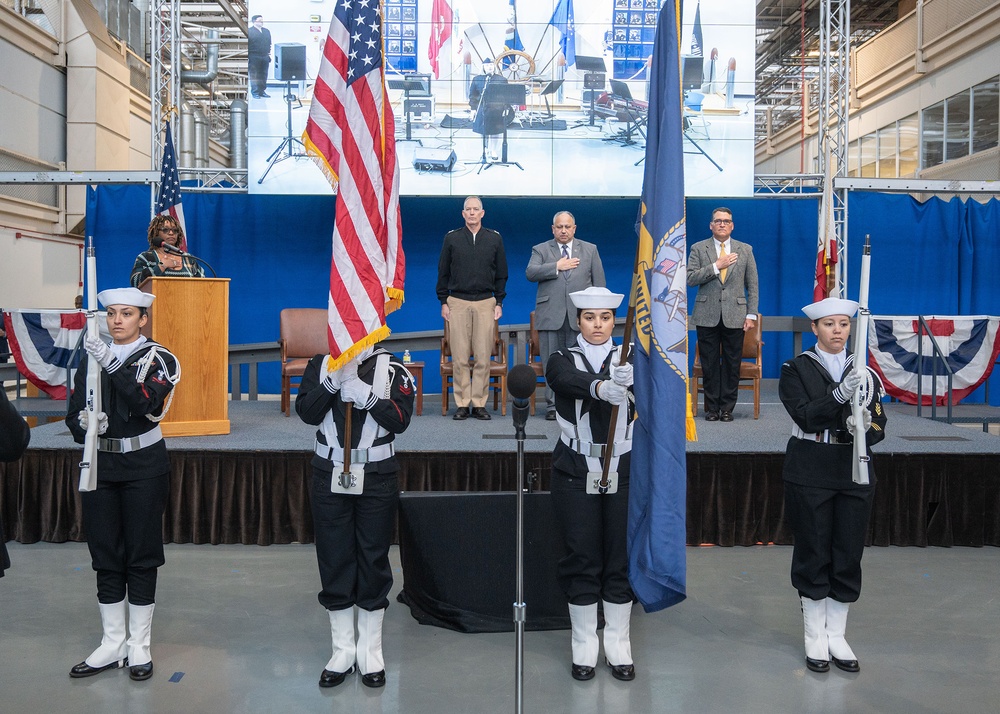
x=516, y=101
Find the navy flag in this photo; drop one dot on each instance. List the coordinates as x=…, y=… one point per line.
x=658, y=478
x=562, y=20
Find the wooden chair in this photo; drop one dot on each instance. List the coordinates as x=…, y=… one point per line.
x=303, y=336
x=751, y=368
x=535, y=357
x=498, y=371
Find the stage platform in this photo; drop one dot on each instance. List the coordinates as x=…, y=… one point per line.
x=939, y=483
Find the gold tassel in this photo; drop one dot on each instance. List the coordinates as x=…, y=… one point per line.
x=690, y=429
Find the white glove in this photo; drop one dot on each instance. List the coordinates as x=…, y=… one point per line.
x=866, y=418
x=332, y=381
x=99, y=350
x=355, y=390
x=102, y=421
x=845, y=390
x=622, y=375
x=612, y=393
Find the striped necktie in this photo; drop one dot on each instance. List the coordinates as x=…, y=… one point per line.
x=722, y=254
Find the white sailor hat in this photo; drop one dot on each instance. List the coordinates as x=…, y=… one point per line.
x=125, y=296
x=594, y=298
x=830, y=306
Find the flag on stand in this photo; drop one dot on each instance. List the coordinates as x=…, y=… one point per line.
x=658, y=486
x=351, y=136
x=825, y=283
x=168, y=198
x=512, y=40
x=697, y=40
x=562, y=20
x=441, y=19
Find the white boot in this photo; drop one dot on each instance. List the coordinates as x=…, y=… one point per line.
x=583, y=618
x=344, y=650
x=140, y=626
x=836, y=627
x=111, y=653
x=370, y=661
x=814, y=618
x=617, y=645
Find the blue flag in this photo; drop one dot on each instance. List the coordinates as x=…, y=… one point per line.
x=697, y=41
x=658, y=485
x=562, y=20
x=512, y=40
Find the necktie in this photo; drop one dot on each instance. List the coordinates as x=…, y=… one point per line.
x=565, y=252
x=722, y=254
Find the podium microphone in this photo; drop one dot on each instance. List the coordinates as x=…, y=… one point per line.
x=521, y=382
x=158, y=242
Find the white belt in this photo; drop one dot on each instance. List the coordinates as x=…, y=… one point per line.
x=823, y=437
x=358, y=456
x=588, y=448
x=124, y=446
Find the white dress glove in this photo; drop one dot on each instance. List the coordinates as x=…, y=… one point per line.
x=102, y=421
x=622, y=375
x=99, y=350
x=612, y=393
x=332, y=381
x=846, y=389
x=355, y=390
x=866, y=418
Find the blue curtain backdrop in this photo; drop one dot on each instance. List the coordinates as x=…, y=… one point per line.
x=935, y=257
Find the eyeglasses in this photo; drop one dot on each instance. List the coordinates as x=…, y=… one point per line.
x=722, y=221
x=165, y=229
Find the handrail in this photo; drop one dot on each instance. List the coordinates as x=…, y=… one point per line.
x=920, y=369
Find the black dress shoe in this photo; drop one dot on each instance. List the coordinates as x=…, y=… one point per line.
x=624, y=672
x=726, y=416
x=550, y=416
x=481, y=413
x=332, y=679
x=374, y=680
x=848, y=665
x=461, y=414
x=265, y=95
x=817, y=665
x=256, y=96
x=140, y=672
x=582, y=672
x=85, y=670
x=711, y=416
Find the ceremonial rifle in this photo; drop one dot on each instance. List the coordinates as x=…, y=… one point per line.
x=863, y=396
x=88, y=466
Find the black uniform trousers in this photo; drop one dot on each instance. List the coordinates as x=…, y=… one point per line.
x=830, y=526
x=595, y=530
x=722, y=379
x=124, y=525
x=353, y=535
x=257, y=68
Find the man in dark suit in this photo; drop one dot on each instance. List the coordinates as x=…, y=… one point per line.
x=259, y=51
x=561, y=266
x=725, y=307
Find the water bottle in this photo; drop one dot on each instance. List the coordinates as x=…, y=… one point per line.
x=406, y=357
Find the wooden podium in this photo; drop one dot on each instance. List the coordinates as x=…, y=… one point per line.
x=190, y=317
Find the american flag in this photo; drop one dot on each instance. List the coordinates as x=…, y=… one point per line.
x=351, y=135
x=168, y=199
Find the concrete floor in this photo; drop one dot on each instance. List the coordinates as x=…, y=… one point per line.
x=238, y=629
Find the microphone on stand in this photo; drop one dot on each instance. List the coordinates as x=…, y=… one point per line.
x=521, y=382
x=158, y=242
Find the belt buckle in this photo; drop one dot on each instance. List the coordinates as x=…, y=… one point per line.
x=596, y=451
x=359, y=456
x=116, y=446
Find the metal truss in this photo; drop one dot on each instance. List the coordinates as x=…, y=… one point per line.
x=216, y=180
x=787, y=185
x=834, y=102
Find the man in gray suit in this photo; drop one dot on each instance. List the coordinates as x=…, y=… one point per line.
x=561, y=266
x=725, y=307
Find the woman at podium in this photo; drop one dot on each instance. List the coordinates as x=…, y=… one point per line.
x=123, y=516
x=160, y=261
